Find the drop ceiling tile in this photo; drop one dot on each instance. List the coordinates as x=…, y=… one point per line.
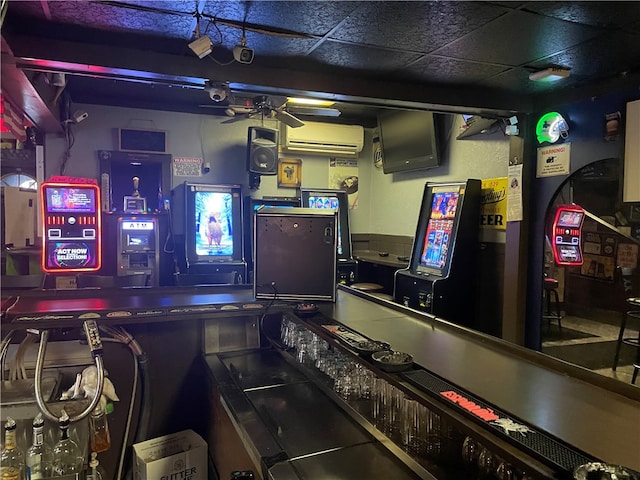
x=598, y=14
x=415, y=26
x=518, y=38
x=362, y=57
x=450, y=70
x=517, y=80
x=605, y=56
x=311, y=17
x=115, y=18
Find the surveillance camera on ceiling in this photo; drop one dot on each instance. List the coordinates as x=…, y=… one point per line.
x=217, y=94
x=243, y=54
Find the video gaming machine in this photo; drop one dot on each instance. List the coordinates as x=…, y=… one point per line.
x=71, y=225
x=441, y=274
x=567, y=235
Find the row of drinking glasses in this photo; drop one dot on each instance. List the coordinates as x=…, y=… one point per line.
x=486, y=464
x=419, y=430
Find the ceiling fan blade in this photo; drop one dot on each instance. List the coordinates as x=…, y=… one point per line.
x=287, y=118
x=238, y=118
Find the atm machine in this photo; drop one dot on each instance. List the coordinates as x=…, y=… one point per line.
x=71, y=222
x=441, y=275
x=138, y=247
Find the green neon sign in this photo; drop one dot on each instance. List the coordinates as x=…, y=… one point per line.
x=551, y=127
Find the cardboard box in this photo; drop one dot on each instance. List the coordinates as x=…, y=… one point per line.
x=179, y=456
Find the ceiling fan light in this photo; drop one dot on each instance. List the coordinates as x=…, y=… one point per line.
x=316, y=102
x=201, y=46
x=550, y=74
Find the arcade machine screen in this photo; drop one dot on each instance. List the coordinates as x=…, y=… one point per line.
x=214, y=224
x=72, y=227
x=436, y=243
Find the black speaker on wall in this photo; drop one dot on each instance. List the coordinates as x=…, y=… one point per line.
x=262, y=151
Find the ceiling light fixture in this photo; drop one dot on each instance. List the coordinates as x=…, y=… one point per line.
x=315, y=102
x=551, y=74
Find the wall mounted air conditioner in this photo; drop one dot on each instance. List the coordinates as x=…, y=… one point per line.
x=324, y=139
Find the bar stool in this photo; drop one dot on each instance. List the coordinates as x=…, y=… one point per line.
x=634, y=303
x=551, y=288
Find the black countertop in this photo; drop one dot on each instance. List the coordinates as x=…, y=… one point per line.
x=600, y=417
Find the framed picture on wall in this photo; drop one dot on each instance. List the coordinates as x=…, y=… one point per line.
x=289, y=172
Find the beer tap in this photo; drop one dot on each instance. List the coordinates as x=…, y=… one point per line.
x=95, y=345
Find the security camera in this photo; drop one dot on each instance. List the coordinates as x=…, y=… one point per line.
x=79, y=116
x=243, y=54
x=217, y=94
x=201, y=46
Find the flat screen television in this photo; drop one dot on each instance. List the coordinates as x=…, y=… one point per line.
x=332, y=199
x=437, y=229
x=213, y=221
x=409, y=139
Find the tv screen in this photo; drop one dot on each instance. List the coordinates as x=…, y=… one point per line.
x=409, y=140
x=70, y=199
x=214, y=223
x=332, y=199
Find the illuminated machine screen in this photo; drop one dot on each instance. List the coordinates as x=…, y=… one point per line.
x=567, y=235
x=71, y=226
x=328, y=203
x=70, y=199
x=438, y=236
x=332, y=199
x=214, y=223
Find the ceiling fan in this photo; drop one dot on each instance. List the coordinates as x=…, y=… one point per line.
x=263, y=106
x=260, y=106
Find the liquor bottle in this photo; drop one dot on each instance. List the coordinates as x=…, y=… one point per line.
x=39, y=458
x=67, y=457
x=12, y=466
x=99, y=430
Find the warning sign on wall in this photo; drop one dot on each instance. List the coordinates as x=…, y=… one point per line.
x=554, y=160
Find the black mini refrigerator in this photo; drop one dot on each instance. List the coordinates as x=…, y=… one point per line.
x=295, y=253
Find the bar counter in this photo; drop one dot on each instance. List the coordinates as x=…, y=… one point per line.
x=594, y=414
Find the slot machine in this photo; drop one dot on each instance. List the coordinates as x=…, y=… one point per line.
x=567, y=235
x=441, y=274
x=71, y=225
